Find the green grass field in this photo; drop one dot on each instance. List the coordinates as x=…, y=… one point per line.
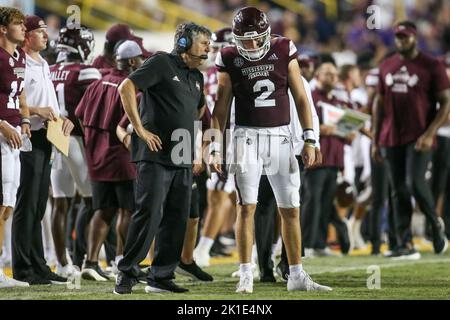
x=428, y=278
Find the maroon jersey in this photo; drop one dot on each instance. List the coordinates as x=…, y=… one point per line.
x=410, y=89
x=260, y=87
x=100, y=111
x=332, y=147
x=70, y=81
x=12, y=81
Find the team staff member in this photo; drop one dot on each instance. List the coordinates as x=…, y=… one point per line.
x=112, y=174
x=405, y=124
x=28, y=259
x=172, y=89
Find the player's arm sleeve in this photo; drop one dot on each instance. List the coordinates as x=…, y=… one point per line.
x=293, y=53
x=220, y=64
x=149, y=74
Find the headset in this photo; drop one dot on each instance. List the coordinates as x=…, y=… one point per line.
x=184, y=42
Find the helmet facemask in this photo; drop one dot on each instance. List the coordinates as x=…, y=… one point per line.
x=253, y=54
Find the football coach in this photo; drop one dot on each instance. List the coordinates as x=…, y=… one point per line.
x=172, y=99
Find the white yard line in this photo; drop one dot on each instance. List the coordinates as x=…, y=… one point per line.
x=381, y=265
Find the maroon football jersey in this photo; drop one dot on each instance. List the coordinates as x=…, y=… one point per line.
x=410, y=89
x=332, y=147
x=70, y=81
x=260, y=87
x=12, y=81
x=100, y=111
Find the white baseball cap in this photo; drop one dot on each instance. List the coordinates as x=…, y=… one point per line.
x=128, y=49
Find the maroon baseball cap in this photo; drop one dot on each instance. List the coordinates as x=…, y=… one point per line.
x=121, y=31
x=34, y=22
x=405, y=30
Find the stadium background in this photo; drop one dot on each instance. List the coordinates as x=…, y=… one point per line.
x=337, y=27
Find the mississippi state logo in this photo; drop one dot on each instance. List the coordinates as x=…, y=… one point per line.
x=11, y=62
x=238, y=62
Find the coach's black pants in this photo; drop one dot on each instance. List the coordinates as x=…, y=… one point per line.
x=317, y=208
x=163, y=196
x=407, y=168
x=265, y=215
x=27, y=247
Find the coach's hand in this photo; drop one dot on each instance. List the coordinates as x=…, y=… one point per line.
x=152, y=140
x=67, y=126
x=11, y=135
x=308, y=155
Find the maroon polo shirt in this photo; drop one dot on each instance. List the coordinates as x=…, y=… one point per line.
x=410, y=89
x=100, y=111
x=332, y=147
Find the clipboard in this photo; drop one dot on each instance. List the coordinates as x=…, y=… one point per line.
x=56, y=136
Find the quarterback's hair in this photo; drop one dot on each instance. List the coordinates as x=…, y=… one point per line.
x=8, y=14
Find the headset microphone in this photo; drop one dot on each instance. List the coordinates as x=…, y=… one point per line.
x=203, y=56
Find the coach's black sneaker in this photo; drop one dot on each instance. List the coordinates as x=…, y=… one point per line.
x=283, y=270
x=124, y=284
x=194, y=271
x=55, y=279
x=92, y=271
x=160, y=286
x=36, y=281
x=440, y=242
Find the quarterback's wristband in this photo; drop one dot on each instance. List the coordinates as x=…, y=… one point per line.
x=25, y=121
x=308, y=134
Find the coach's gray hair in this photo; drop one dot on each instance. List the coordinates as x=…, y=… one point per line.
x=196, y=30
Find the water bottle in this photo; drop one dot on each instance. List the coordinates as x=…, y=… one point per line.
x=26, y=143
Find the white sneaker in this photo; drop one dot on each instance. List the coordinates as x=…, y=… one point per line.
x=255, y=271
x=201, y=258
x=245, y=283
x=303, y=282
x=6, y=282
x=69, y=270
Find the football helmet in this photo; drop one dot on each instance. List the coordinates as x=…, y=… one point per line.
x=77, y=40
x=251, y=24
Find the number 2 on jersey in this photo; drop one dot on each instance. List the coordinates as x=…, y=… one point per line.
x=261, y=100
